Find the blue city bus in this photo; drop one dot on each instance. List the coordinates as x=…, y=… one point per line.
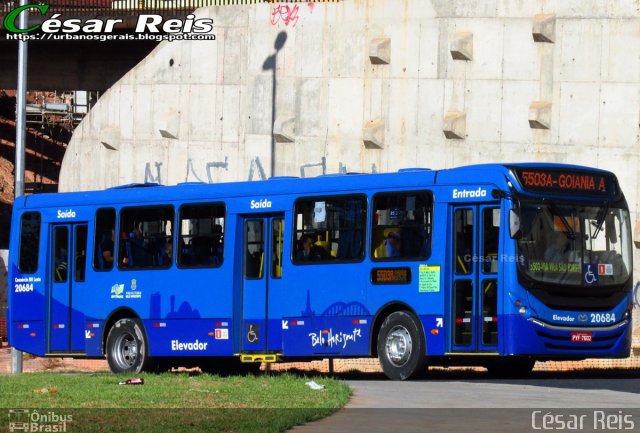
x=497, y=265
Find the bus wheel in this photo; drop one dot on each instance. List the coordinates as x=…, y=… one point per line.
x=401, y=346
x=127, y=350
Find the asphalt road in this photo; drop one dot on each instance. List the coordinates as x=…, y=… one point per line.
x=474, y=402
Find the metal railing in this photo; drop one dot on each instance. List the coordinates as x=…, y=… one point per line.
x=134, y=7
x=126, y=7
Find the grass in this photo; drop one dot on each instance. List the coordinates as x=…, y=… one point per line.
x=174, y=402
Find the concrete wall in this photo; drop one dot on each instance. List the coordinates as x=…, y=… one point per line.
x=374, y=85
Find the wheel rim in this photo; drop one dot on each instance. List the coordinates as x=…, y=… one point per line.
x=398, y=346
x=126, y=351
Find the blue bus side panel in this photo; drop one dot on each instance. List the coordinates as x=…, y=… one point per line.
x=434, y=333
x=29, y=336
x=78, y=343
x=205, y=337
x=59, y=318
x=26, y=295
x=326, y=335
x=93, y=333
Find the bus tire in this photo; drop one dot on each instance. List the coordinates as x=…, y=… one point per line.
x=401, y=346
x=127, y=348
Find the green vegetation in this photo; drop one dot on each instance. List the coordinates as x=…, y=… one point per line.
x=174, y=402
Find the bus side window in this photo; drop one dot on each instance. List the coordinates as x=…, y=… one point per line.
x=104, y=240
x=336, y=226
x=201, y=235
x=401, y=227
x=147, y=242
x=29, y=242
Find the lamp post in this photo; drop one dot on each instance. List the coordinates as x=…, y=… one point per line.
x=21, y=138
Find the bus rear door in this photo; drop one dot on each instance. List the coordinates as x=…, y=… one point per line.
x=67, y=273
x=474, y=294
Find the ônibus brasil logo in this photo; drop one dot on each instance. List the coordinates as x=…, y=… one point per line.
x=148, y=26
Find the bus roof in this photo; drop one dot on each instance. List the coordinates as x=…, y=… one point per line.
x=496, y=174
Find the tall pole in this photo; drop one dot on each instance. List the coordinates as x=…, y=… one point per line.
x=21, y=138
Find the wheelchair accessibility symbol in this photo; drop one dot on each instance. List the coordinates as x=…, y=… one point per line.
x=253, y=333
x=589, y=276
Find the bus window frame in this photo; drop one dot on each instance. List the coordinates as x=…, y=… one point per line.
x=120, y=265
x=179, y=234
x=426, y=192
x=295, y=231
x=95, y=239
x=38, y=251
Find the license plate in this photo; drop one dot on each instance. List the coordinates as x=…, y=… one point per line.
x=581, y=337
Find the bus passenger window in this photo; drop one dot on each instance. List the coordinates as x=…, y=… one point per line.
x=80, y=250
x=147, y=237
x=60, y=254
x=401, y=227
x=334, y=226
x=29, y=242
x=490, y=238
x=463, y=241
x=277, y=247
x=254, y=249
x=201, y=237
x=104, y=240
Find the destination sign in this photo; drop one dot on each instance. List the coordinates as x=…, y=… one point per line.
x=555, y=181
x=391, y=275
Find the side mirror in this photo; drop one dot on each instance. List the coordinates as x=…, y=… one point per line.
x=514, y=224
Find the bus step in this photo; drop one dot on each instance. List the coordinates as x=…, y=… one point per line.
x=259, y=357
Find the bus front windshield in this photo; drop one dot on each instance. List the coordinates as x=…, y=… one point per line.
x=575, y=244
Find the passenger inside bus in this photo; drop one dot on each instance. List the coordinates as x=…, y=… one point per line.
x=308, y=251
x=393, y=244
x=136, y=253
x=106, y=250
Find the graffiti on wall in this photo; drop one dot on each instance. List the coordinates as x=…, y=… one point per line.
x=153, y=170
x=287, y=13
x=322, y=164
x=256, y=167
x=148, y=173
x=209, y=167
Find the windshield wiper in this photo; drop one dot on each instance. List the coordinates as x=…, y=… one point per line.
x=569, y=233
x=600, y=218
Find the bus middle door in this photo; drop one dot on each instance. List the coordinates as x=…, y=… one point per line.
x=474, y=294
x=262, y=270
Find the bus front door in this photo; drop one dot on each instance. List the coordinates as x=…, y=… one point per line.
x=474, y=294
x=67, y=273
x=262, y=272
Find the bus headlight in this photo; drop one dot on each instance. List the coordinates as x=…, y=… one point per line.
x=522, y=310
